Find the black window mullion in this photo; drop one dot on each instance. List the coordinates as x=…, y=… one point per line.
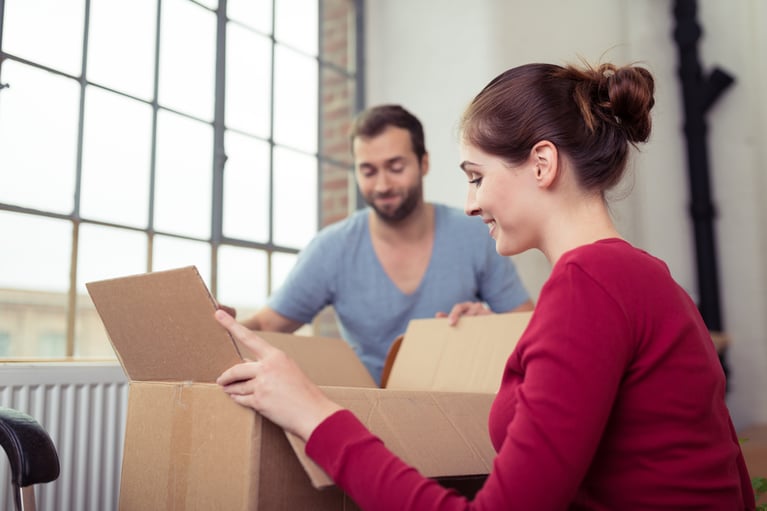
x=320, y=69
x=219, y=149
x=69, y=351
x=153, y=143
x=359, y=74
x=271, y=153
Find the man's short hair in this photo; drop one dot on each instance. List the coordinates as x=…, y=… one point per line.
x=373, y=121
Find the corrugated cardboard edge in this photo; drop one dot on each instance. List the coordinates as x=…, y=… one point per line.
x=470, y=447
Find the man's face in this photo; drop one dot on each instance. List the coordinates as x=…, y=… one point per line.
x=389, y=175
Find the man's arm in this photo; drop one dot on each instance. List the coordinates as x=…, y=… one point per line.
x=524, y=307
x=269, y=320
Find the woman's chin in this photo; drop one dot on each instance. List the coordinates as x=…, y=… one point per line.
x=504, y=248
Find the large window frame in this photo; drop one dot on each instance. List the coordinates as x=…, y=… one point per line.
x=332, y=154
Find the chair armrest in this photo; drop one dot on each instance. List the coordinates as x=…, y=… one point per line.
x=30, y=450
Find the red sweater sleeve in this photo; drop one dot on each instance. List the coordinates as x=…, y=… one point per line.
x=612, y=399
x=370, y=474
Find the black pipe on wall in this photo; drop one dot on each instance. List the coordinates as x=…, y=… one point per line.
x=699, y=94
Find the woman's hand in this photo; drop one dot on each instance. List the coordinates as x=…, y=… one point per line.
x=229, y=310
x=273, y=384
x=464, y=309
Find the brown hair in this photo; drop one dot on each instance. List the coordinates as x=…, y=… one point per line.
x=590, y=114
x=373, y=121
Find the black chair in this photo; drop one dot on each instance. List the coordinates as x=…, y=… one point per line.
x=32, y=454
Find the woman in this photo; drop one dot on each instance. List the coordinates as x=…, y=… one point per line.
x=614, y=396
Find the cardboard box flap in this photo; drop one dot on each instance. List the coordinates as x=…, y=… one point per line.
x=467, y=357
x=325, y=360
x=441, y=434
x=162, y=328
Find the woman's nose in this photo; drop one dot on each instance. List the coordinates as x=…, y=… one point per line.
x=470, y=207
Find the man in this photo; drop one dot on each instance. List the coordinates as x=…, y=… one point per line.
x=399, y=259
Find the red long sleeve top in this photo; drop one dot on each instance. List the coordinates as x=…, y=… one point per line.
x=613, y=399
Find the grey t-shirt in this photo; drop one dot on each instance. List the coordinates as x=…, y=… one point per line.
x=340, y=268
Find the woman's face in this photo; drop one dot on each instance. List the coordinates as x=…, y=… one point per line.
x=503, y=196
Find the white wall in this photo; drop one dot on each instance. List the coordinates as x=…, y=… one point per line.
x=432, y=56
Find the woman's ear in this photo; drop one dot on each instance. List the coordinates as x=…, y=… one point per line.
x=545, y=159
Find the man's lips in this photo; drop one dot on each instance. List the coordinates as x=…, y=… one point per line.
x=386, y=199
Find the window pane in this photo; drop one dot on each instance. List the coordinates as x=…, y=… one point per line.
x=241, y=279
x=36, y=253
x=5, y=343
x=295, y=100
x=116, y=158
x=49, y=32
x=295, y=198
x=170, y=253
x=34, y=279
x=187, y=58
x=183, y=187
x=282, y=263
x=116, y=57
x=246, y=188
x=52, y=344
x=38, y=138
x=298, y=31
x=35, y=328
x=256, y=14
x=106, y=252
x=248, y=81
x=212, y=4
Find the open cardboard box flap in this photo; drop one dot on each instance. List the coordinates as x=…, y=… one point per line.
x=186, y=441
x=467, y=357
x=162, y=328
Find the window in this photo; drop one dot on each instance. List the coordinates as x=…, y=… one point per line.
x=152, y=134
x=5, y=344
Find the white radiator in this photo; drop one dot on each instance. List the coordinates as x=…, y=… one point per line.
x=83, y=408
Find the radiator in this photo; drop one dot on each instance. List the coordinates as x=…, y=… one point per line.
x=83, y=407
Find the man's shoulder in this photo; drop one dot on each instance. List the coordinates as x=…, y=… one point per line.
x=453, y=212
x=346, y=226
x=456, y=218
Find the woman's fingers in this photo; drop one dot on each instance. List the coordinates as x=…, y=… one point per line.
x=257, y=345
x=238, y=373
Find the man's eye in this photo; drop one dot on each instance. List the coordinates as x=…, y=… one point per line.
x=397, y=168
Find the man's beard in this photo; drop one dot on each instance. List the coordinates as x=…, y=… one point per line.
x=410, y=202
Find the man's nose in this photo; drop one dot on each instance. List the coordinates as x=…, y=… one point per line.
x=382, y=182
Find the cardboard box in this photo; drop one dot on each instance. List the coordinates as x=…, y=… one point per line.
x=189, y=446
x=467, y=357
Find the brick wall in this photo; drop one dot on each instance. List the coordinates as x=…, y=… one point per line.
x=336, y=110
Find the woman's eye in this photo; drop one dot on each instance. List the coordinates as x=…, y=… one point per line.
x=476, y=181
